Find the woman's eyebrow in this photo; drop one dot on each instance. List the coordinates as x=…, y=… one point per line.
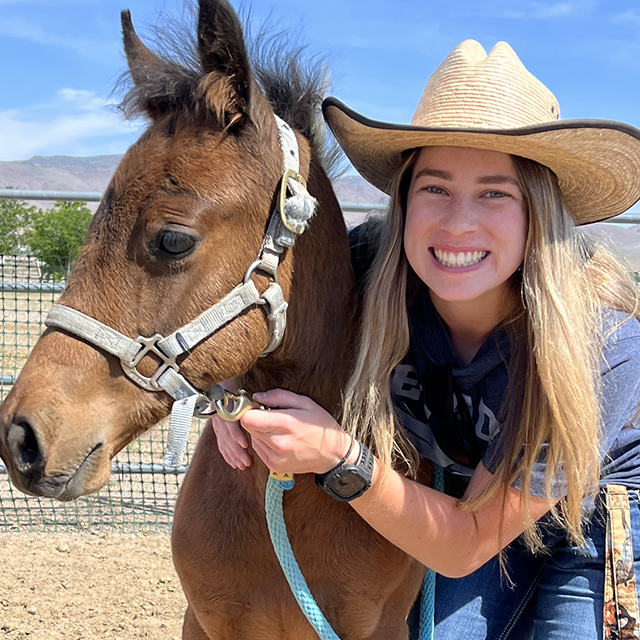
x=445, y=175
x=498, y=180
x=434, y=173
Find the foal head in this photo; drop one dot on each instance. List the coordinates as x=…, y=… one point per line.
x=180, y=223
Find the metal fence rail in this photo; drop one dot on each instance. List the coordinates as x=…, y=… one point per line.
x=347, y=207
x=35, y=194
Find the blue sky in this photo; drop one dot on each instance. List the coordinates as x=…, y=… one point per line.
x=63, y=57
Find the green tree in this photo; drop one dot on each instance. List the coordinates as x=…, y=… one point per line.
x=56, y=235
x=15, y=218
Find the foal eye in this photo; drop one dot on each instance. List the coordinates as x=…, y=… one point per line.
x=175, y=244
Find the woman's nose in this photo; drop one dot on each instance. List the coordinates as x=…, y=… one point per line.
x=459, y=217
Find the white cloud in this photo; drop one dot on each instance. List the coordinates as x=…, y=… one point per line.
x=25, y=30
x=68, y=121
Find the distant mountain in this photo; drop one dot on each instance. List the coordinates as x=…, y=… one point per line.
x=623, y=240
x=62, y=173
x=66, y=173
x=93, y=174
x=357, y=189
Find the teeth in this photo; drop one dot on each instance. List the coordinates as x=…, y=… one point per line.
x=460, y=259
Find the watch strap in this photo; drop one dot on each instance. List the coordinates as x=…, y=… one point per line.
x=363, y=468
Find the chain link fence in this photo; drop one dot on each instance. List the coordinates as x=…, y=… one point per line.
x=141, y=493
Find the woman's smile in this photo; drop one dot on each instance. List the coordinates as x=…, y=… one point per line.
x=458, y=259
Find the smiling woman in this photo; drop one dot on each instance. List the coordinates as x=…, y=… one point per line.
x=499, y=344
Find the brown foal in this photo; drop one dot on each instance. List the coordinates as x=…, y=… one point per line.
x=181, y=221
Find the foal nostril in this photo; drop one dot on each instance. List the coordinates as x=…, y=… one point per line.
x=25, y=450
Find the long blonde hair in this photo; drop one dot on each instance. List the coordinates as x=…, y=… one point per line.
x=555, y=337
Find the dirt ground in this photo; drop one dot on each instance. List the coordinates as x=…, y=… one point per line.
x=82, y=586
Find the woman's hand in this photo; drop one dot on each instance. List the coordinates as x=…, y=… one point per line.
x=299, y=436
x=232, y=443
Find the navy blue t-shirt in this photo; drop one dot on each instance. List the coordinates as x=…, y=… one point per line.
x=478, y=392
x=451, y=411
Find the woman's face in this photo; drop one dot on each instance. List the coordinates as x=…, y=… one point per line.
x=466, y=223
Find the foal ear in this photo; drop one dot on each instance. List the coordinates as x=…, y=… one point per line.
x=144, y=66
x=143, y=63
x=223, y=55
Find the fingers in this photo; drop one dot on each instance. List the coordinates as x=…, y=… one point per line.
x=276, y=458
x=238, y=435
x=260, y=421
x=283, y=399
x=265, y=453
x=232, y=443
x=289, y=413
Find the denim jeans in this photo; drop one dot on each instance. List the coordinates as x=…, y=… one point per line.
x=556, y=596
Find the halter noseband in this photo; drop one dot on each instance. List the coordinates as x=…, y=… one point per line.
x=294, y=209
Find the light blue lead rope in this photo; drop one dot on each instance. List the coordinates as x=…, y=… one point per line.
x=297, y=583
x=282, y=547
x=428, y=597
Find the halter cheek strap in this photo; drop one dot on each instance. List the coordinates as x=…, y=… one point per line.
x=292, y=215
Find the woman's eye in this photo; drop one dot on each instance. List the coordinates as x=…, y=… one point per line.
x=496, y=194
x=174, y=243
x=434, y=189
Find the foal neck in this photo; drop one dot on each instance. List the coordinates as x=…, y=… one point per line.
x=315, y=357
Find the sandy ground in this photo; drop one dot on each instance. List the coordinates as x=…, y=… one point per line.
x=81, y=586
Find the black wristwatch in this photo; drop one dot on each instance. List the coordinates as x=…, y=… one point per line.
x=348, y=481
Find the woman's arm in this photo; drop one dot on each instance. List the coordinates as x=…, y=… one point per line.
x=301, y=437
x=429, y=525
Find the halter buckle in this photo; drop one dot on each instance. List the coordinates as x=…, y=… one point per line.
x=289, y=174
x=148, y=346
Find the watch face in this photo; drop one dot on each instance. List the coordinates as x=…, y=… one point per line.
x=348, y=483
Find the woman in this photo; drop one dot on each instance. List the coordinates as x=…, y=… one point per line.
x=505, y=344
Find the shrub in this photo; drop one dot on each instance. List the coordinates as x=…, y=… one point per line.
x=56, y=235
x=15, y=218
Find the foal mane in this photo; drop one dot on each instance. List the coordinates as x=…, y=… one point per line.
x=293, y=82
x=295, y=86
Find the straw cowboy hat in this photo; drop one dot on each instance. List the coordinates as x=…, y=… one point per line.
x=493, y=102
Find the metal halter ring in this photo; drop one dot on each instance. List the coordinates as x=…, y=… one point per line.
x=257, y=265
x=241, y=404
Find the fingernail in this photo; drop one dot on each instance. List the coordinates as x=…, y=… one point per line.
x=259, y=394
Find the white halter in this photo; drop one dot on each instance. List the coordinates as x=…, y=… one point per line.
x=294, y=210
